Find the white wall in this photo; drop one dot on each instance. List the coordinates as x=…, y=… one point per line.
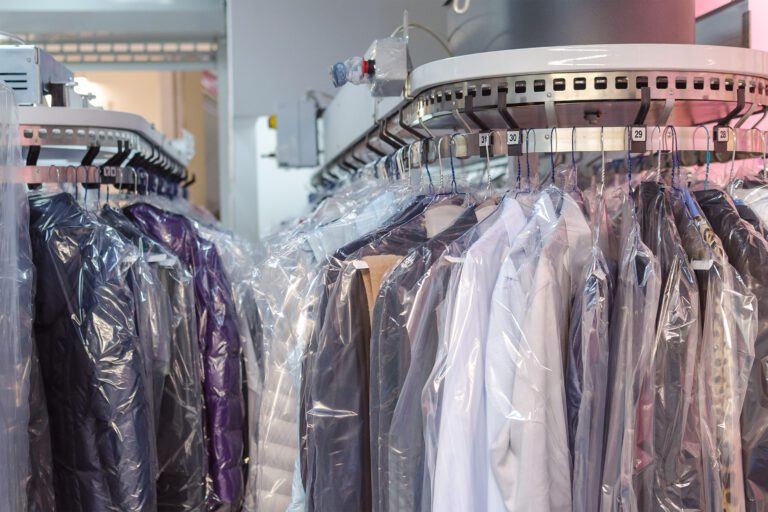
x=278, y=50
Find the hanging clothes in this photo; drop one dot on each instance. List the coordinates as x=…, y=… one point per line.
x=331, y=274
x=586, y=380
x=220, y=346
x=239, y=263
x=674, y=479
x=294, y=263
x=22, y=477
x=747, y=251
x=338, y=435
x=460, y=478
x=528, y=443
x=179, y=420
x=391, y=345
x=729, y=320
x=630, y=397
x=408, y=480
x=91, y=360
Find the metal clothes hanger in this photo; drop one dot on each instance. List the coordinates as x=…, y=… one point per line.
x=527, y=157
x=451, y=144
x=733, y=153
x=424, y=161
x=440, y=162
x=708, y=156
x=764, y=170
x=628, y=142
x=552, y=148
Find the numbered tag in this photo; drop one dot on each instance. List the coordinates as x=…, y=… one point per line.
x=722, y=134
x=109, y=174
x=514, y=143
x=639, y=134
x=638, y=138
x=484, y=140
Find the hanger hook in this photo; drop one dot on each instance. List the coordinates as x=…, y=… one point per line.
x=708, y=155
x=74, y=180
x=411, y=148
x=85, y=181
x=440, y=161
x=764, y=135
x=425, y=162
x=602, y=161
x=408, y=149
x=527, y=155
x=135, y=181
x=58, y=173
x=628, y=142
x=552, y=149
x=573, y=146
x=451, y=145
x=733, y=152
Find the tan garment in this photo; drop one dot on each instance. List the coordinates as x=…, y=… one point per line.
x=378, y=267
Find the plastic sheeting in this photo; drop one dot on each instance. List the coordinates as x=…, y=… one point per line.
x=672, y=478
x=525, y=355
x=729, y=322
x=338, y=443
x=630, y=417
x=407, y=475
x=178, y=398
x=748, y=253
x=16, y=296
x=391, y=346
x=238, y=258
x=291, y=279
x=92, y=360
x=220, y=346
x=586, y=380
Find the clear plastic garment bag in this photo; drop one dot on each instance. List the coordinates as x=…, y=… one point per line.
x=181, y=451
x=220, y=346
x=290, y=282
x=630, y=401
x=728, y=329
x=747, y=251
x=92, y=360
x=673, y=477
x=16, y=313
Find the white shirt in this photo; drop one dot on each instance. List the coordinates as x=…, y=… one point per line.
x=460, y=478
x=527, y=426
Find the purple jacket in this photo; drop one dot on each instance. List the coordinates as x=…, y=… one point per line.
x=220, y=344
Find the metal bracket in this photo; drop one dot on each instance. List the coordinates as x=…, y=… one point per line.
x=371, y=148
x=90, y=155
x=502, y=108
x=407, y=128
x=383, y=135
x=469, y=109
x=764, y=112
x=747, y=115
x=669, y=104
x=551, y=113
x=398, y=140
x=645, y=106
x=33, y=153
x=462, y=121
x=741, y=100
